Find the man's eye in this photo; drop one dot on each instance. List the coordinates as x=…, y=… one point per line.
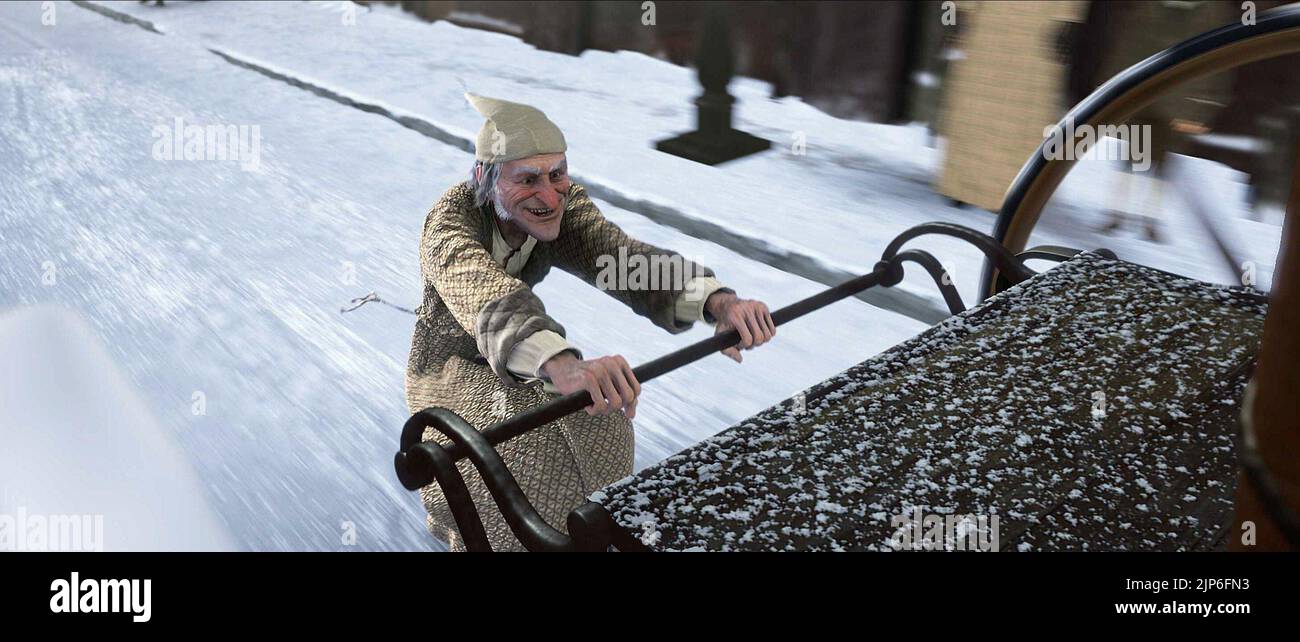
x=528, y=181
x=555, y=176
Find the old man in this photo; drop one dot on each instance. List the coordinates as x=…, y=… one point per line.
x=484, y=346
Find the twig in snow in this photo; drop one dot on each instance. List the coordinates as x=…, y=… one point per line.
x=372, y=297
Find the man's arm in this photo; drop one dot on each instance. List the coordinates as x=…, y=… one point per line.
x=610, y=380
x=690, y=305
x=654, y=282
x=589, y=247
x=529, y=356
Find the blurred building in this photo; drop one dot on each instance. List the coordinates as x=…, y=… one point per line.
x=849, y=59
x=988, y=82
x=1005, y=86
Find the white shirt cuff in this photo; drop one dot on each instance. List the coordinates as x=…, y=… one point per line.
x=528, y=356
x=689, y=306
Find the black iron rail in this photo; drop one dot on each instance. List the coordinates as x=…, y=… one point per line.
x=525, y=421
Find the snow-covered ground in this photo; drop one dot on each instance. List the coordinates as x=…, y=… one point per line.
x=215, y=288
x=855, y=187
x=81, y=444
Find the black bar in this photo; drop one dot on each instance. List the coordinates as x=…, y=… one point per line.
x=573, y=402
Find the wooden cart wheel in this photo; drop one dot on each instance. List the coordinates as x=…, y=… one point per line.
x=1275, y=33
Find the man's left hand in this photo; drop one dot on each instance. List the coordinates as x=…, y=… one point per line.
x=749, y=317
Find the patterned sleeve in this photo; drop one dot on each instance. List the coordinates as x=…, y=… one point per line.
x=498, y=310
x=648, y=279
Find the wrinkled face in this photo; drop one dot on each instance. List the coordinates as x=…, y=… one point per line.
x=533, y=192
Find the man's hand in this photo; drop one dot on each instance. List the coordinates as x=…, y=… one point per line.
x=748, y=316
x=609, y=380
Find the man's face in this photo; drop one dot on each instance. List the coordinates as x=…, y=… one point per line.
x=533, y=192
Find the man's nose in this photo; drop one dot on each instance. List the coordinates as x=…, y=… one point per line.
x=550, y=197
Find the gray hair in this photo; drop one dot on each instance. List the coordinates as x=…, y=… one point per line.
x=485, y=185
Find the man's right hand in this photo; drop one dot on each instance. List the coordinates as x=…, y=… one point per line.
x=609, y=380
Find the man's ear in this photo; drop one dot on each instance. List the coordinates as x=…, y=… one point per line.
x=478, y=172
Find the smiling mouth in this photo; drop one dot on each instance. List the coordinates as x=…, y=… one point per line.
x=540, y=214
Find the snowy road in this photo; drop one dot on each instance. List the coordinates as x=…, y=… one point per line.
x=210, y=281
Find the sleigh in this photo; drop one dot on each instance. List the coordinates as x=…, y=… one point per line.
x=1096, y=405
